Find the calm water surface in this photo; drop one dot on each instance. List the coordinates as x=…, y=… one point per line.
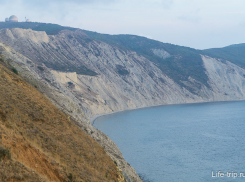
x=181, y=142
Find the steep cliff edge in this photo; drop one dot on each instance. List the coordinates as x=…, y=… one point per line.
x=101, y=78
x=121, y=79
x=84, y=76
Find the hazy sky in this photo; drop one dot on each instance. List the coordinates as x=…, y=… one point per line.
x=194, y=23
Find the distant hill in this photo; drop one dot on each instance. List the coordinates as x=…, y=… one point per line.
x=50, y=29
x=233, y=53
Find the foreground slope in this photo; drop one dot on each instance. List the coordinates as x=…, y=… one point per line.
x=40, y=143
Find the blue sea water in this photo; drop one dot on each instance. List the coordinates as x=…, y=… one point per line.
x=187, y=142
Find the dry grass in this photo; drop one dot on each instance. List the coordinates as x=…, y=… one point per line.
x=44, y=144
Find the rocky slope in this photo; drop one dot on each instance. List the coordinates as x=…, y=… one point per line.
x=123, y=79
x=120, y=79
x=226, y=79
x=40, y=143
x=85, y=76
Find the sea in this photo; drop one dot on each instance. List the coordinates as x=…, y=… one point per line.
x=181, y=143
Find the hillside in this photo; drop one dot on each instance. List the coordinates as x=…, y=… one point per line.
x=40, y=143
x=50, y=29
x=177, y=62
x=103, y=73
x=234, y=53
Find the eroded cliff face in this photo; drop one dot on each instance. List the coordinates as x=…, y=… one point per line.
x=124, y=79
x=85, y=77
x=226, y=79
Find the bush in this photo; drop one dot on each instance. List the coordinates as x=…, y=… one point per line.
x=15, y=71
x=70, y=177
x=121, y=70
x=4, y=153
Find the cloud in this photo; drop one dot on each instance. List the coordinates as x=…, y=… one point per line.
x=58, y=8
x=45, y=2
x=192, y=16
x=162, y=3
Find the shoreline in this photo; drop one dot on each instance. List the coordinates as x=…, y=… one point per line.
x=95, y=117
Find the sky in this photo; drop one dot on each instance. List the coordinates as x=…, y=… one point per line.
x=199, y=24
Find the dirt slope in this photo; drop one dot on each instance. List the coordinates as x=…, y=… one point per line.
x=40, y=143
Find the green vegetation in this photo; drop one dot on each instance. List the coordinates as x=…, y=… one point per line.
x=15, y=71
x=50, y=29
x=4, y=154
x=234, y=53
x=82, y=70
x=40, y=68
x=70, y=177
x=8, y=65
x=121, y=70
x=71, y=85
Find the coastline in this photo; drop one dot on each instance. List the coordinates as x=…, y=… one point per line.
x=93, y=119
